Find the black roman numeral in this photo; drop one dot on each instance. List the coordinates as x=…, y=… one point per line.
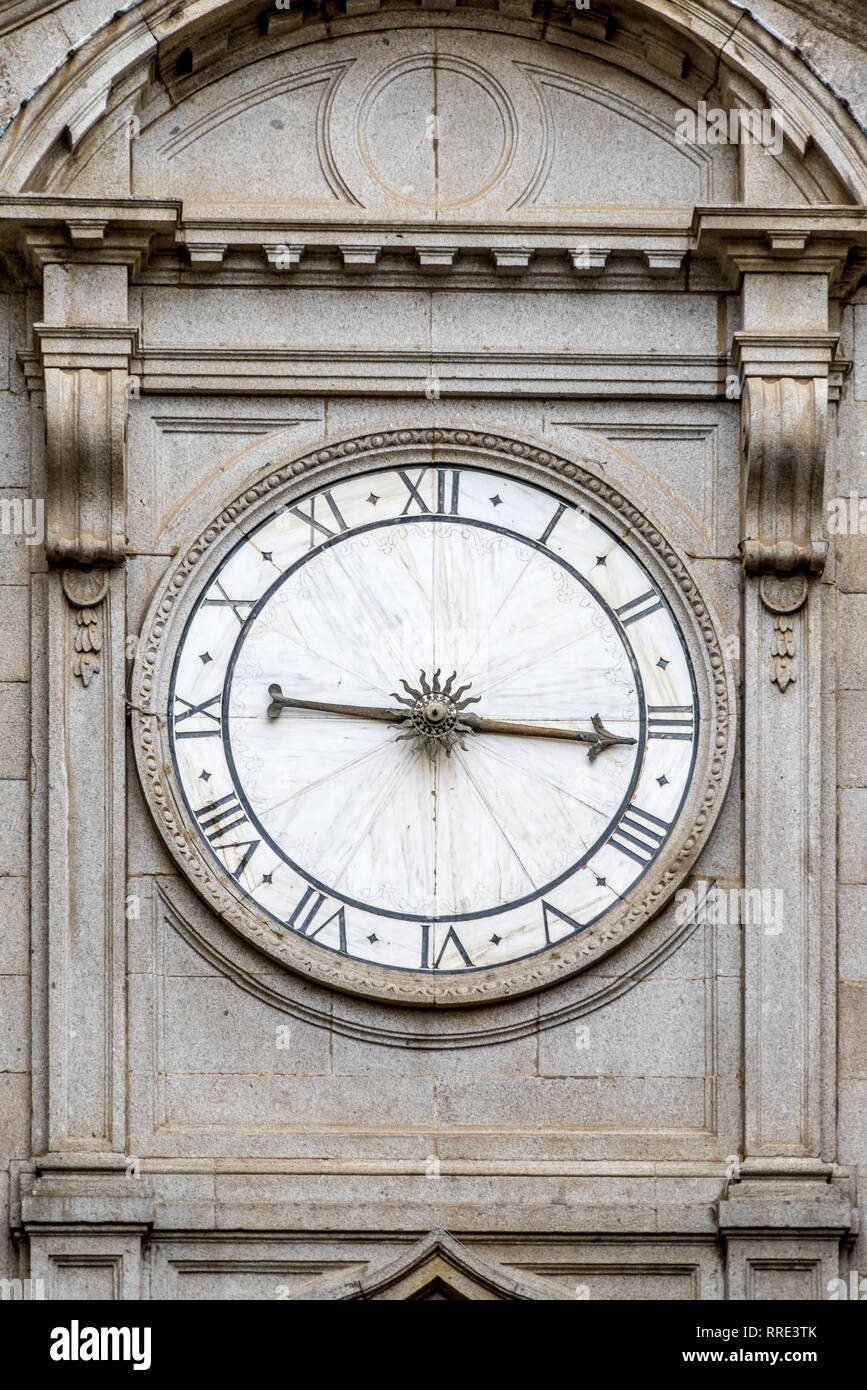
x=233, y=603
x=307, y=910
x=220, y=817
x=204, y=709
x=452, y=936
x=639, y=835
x=548, y=911
x=414, y=494
x=639, y=607
x=543, y=539
x=443, y=475
x=315, y=524
x=670, y=721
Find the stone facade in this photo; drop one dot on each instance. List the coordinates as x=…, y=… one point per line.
x=621, y=244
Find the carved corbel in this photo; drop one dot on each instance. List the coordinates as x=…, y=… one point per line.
x=784, y=410
x=86, y=397
x=783, y=425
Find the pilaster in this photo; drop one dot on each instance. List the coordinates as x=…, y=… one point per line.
x=84, y=1210
x=786, y=1194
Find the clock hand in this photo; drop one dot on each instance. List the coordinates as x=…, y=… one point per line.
x=279, y=701
x=600, y=739
x=435, y=721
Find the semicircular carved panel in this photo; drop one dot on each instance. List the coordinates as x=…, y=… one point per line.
x=381, y=121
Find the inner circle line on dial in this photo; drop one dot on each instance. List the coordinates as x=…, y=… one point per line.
x=329, y=889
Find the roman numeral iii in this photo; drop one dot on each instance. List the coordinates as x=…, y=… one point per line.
x=670, y=721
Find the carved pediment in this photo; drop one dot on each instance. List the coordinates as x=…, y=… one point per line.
x=437, y=1267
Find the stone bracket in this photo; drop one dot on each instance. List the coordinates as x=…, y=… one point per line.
x=86, y=392
x=784, y=383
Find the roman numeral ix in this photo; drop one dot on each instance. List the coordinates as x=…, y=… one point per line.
x=205, y=710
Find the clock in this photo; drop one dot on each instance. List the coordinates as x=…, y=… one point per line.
x=434, y=726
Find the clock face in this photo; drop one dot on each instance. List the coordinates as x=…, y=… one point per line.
x=432, y=719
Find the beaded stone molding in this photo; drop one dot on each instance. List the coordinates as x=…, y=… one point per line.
x=322, y=467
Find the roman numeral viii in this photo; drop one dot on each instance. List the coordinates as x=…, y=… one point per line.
x=218, y=819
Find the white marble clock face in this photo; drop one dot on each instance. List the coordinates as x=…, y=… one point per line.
x=474, y=835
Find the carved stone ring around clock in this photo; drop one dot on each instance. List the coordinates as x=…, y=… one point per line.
x=437, y=717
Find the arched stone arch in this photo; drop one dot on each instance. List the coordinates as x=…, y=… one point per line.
x=687, y=51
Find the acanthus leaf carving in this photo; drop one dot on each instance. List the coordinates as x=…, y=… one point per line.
x=783, y=595
x=783, y=651
x=85, y=589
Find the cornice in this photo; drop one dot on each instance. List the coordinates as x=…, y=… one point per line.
x=801, y=240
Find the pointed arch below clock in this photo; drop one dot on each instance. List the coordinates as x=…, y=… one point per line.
x=437, y=1267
